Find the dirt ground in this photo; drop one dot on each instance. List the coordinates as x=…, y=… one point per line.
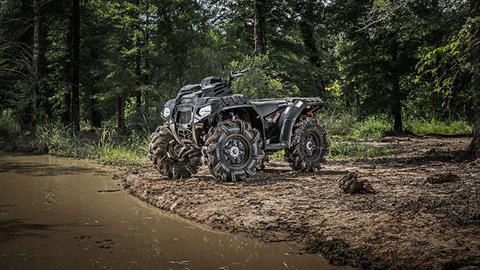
x=410, y=222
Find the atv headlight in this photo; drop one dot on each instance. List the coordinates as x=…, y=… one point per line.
x=205, y=111
x=166, y=112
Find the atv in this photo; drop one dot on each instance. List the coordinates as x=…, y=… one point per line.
x=233, y=135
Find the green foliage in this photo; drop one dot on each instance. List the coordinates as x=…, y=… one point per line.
x=446, y=65
x=277, y=155
x=375, y=126
x=435, y=127
x=62, y=141
x=105, y=145
x=260, y=82
x=9, y=126
x=120, y=151
x=338, y=123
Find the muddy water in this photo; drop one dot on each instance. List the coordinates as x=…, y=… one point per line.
x=65, y=214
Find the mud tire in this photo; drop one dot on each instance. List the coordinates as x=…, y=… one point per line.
x=298, y=155
x=171, y=159
x=224, y=165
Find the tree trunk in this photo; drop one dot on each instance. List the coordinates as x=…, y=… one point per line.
x=35, y=63
x=308, y=38
x=397, y=106
x=306, y=29
x=396, y=98
x=76, y=65
x=121, y=114
x=138, y=61
x=67, y=102
x=259, y=27
x=67, y=96
x=94, y=114
x=473, y=150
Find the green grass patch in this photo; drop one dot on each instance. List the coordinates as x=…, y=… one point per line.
x=104, y=146
x=277, y=155
x=372, y=127
x=345, y=150
x=434, y=127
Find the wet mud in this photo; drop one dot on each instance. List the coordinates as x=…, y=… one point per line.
x=424, y=212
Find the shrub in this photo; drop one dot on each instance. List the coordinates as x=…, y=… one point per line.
x=338, y=124
x=61, y=141
x=373, y=127
x=9, y=126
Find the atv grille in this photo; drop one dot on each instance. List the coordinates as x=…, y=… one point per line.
x=184, y=117
x=185, y=134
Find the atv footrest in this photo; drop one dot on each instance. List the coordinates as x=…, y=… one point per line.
x=275, y=146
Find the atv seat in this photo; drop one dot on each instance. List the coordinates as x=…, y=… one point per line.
x=266, y=107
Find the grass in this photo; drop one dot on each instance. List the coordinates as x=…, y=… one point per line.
x=377, y=126
x=434, y=127
x=372, y=127
x=105, y=146
x=346, y=150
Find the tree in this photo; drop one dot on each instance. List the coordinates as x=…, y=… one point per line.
x=35, y=61
x=473, y=150
x=259, y=27
x=75, y=114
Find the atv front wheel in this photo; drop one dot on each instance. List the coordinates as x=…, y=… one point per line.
x=170, y=158
x=234, y=150
x=308, y=145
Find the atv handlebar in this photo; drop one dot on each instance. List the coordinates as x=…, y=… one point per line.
x=236, y=74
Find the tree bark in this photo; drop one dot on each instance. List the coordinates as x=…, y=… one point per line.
x=138, y=62
x=67, y=96
x=121, y=114
x=306, y=29
x=35, y=62
x=259, y=26
x=94, y=114
x=396, y=98
x=473, y=151
x=76, y=65
x=308, y=38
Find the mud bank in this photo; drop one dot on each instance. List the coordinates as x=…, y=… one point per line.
x=408, y=223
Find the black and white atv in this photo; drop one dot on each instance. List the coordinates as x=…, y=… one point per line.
x=233, y=134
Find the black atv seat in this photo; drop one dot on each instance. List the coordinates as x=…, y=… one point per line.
x=266, y=107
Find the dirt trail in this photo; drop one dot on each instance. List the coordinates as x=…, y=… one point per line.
x=408, y=223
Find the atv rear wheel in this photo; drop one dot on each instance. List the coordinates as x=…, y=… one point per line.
x=171, y=158
x=308, y=145
x=234, y=151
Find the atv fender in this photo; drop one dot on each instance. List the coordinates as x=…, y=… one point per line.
x=249, y=113
x=288, y=118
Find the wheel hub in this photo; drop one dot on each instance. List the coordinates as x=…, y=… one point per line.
x=312, y=145
x=236, y=151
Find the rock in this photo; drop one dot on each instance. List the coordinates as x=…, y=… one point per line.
x=350, y=184
x=443, y=178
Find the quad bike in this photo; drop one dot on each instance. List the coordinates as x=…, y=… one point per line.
x=233, y=135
